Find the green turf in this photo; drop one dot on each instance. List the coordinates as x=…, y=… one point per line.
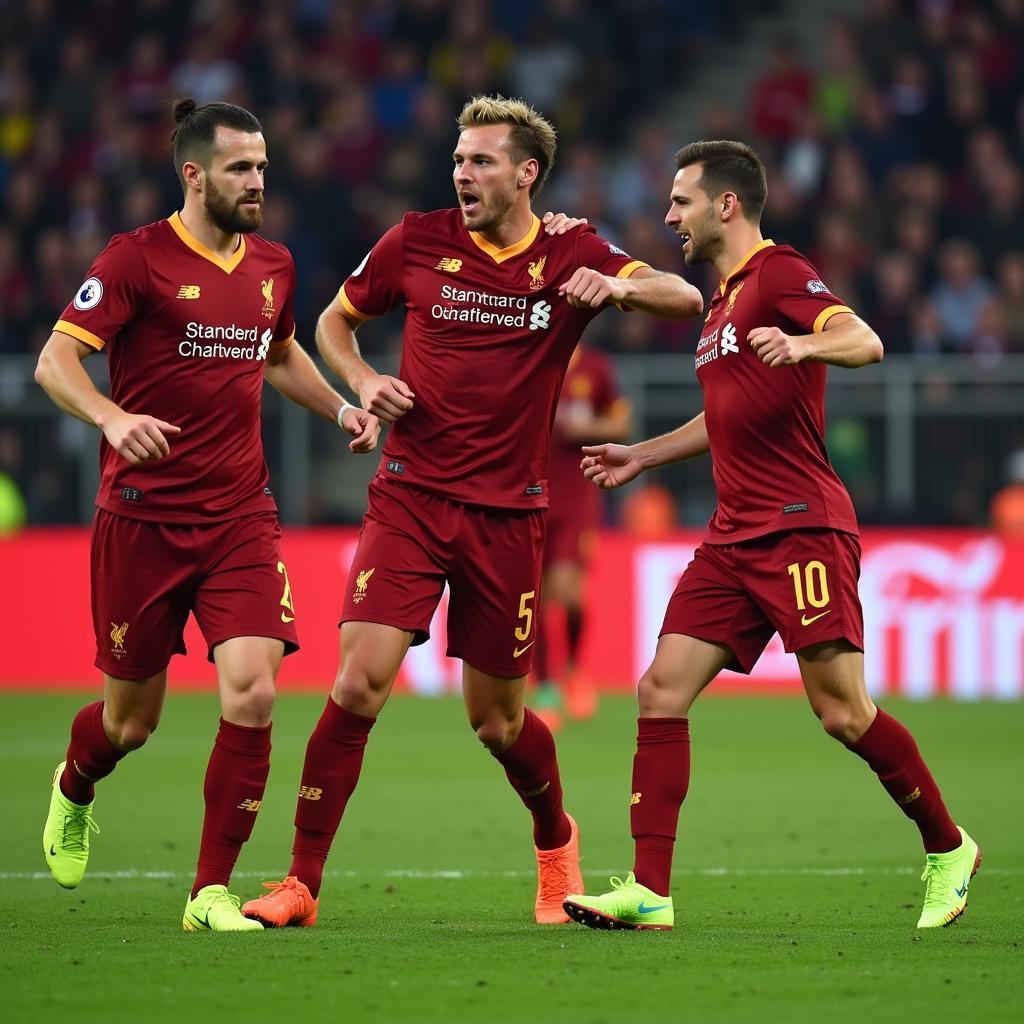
x=796, y=887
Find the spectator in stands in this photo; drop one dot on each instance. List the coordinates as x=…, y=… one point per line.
x=960, y=294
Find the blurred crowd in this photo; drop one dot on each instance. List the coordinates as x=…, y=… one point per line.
x=895, y=161
x=895, y=149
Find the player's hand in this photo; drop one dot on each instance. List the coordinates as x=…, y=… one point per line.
x=775, y=348
x=610, y=465
x=589, y=289
x=139, y=438
x=387, y=398
x=559, y=223
x=364, y=428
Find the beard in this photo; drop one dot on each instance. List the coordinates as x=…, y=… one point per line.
x=707, y=247
x=230, y=216
x=485, y=218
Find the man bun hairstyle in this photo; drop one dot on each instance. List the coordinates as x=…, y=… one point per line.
x=196, y=126
x=531, y=135
x=728, y=166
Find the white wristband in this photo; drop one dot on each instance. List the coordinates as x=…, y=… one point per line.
x=341, y=412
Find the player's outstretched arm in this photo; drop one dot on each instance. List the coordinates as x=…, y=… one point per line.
x=385, y=397
x=666, y=296
x=846, y=340
x=61, y=375
x=291, y=371
x=612, y=465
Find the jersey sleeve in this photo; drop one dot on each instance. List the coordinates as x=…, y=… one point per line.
x=375, y=286
x=284, y=332
x=599, y=254
x=798, y=293
x=109, y=297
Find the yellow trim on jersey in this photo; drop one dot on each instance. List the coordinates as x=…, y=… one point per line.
x=743, y=262
x=227, y=265
x=500, y=255
x=80, y=334
x=826, y=314
x=631, y=268
x=282, y=343
x=349, y=308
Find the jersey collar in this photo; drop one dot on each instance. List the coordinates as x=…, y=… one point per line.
x=763, y=244
x=227, y=265
x=500, y=255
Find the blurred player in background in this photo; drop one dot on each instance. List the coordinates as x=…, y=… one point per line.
x=494, y=309
x=782, y=551
x=195, y=312
x=590, y=408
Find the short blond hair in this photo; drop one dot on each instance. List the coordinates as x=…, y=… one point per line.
x=531, y=135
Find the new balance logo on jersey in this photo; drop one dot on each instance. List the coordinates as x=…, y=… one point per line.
x=449, y=265
x=729, y=343
x=188, y=291
x=540, y=315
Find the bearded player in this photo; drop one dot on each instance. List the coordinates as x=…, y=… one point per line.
x=195, y=312
x=781, y=551
x=494, y=309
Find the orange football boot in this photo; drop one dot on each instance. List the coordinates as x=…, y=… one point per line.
x=558, y=874
x=289, y=904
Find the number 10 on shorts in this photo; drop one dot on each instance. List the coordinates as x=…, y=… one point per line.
x=810, y=584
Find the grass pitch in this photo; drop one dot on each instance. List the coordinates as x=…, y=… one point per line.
x=796, y=886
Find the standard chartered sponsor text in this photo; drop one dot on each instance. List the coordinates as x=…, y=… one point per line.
x=216, y=334
x=474, y=314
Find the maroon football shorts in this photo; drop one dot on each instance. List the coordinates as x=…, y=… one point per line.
x=413, y=541
x=571, y=534
x=801, y=584
x=147, y=577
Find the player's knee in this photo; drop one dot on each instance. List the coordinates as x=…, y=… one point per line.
x=355, y=689
x=656, y=697
x=496, y=732
x=256, y=699
x=131, y=733
x=839, y=721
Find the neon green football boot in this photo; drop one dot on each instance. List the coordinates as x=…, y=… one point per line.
x=946, y=878
x=66, y=835
x=214, y=909
x=629, y=905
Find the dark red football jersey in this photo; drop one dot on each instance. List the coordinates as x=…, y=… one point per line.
x=187, y=335
x=767, y=426
x=589, y=389
x=486, y=342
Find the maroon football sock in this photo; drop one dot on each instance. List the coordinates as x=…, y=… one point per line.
x=892, y=754
x=334, y=757
x=573, y=632
x=91, y=755
x=236, y=778
x=661, y=777
x=532, y=767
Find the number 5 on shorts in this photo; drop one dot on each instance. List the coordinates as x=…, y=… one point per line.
x=812, y=583
x=525, y=612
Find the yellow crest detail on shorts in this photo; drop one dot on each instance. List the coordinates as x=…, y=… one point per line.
x=361, y=581
x=117, y=635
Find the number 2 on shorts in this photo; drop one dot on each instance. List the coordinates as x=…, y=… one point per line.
x=286, y=596
x=810, y=585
